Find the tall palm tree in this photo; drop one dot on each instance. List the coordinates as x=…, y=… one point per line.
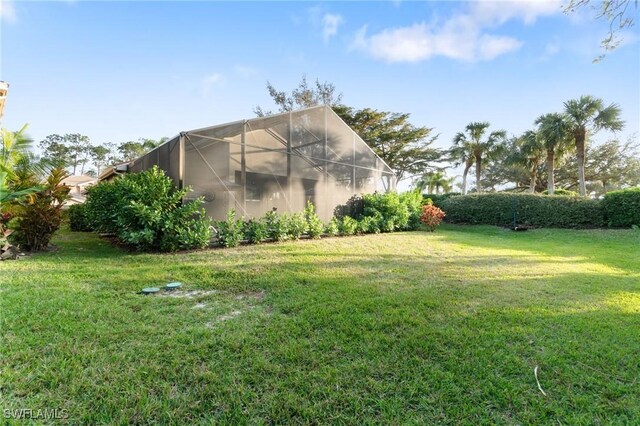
x=481, y=149
x=554, y=131
x=585, y=115
x=530, y=153
x=461, y=154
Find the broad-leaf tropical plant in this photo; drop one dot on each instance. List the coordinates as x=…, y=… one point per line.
x=15, y=145
x=586, y=115
x=482, y=149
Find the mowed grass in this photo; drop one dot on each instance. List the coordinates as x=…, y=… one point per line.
x=390, y=329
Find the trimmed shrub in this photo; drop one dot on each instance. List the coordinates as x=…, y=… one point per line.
x=348, y=226
x=230, y=231
x=314, y=224
x=332, y=228
x=552, y=211
x=386, y=212
x=277, y=228
x=438, y=199
x=563, y=192
x=369, y=225
x=255, y=231
x=296, y=225
x=413, y=201
x=145, y=211
x=79, y=218
x=431, y=216
x=622, y=207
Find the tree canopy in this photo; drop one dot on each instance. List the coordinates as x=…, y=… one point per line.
x=405, y=148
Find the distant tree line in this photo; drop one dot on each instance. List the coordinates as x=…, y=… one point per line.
x=556, y=153
x=78, y=155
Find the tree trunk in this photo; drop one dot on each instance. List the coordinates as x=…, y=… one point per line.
x=532, y=182
x=550, y=166
x=464, y=178
x=580, y=136
x=478, y=171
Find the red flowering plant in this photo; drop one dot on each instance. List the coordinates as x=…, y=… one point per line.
x=431, y=216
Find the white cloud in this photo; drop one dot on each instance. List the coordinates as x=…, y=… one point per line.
x=462, y=37
x=208, y=82
x=330, y=24
x=7, y=11
x=493, y=46
x=499, y=12
x=419, y=42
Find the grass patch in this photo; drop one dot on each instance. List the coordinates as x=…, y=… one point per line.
x=392, y=328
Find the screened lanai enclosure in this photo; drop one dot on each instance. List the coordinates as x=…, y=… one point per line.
x=280, y=161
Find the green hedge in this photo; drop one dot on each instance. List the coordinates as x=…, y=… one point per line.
x=622, y=208
x=438, y=199
x=79, y=219
x=552, y=211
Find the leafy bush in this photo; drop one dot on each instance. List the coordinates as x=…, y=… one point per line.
x=369, y=225
x=391, y=211
x=332, y=228
x=413, y=201
x=79, y=218
x=186, y=228
x=438, y=199
x=296, y=225
x=354, y=207
x=348, y=226
x=230, y=231
x=145, y=211
x=622, y=208
x=563, y=192
x=277, y=227
x=255, y=231
x=531, y=209
x=314, y=224
x=40, y=215
x=431, y=216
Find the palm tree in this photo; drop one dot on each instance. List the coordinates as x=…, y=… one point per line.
x=554, y=131
x=529, y=152
x=460, y=154
x=588, y=114
x=433, y=182
x=15, y=145
x=481, y=150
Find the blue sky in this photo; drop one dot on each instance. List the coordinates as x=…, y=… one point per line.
x=117, y=71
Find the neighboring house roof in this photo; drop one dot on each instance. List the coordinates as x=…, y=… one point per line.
x=78, y=185
x=80, y=180
x=111, y=172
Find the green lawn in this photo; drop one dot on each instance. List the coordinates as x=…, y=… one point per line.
x=393, y=328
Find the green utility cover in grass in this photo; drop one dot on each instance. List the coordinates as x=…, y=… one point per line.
x=150, y=290
x=173, y=286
